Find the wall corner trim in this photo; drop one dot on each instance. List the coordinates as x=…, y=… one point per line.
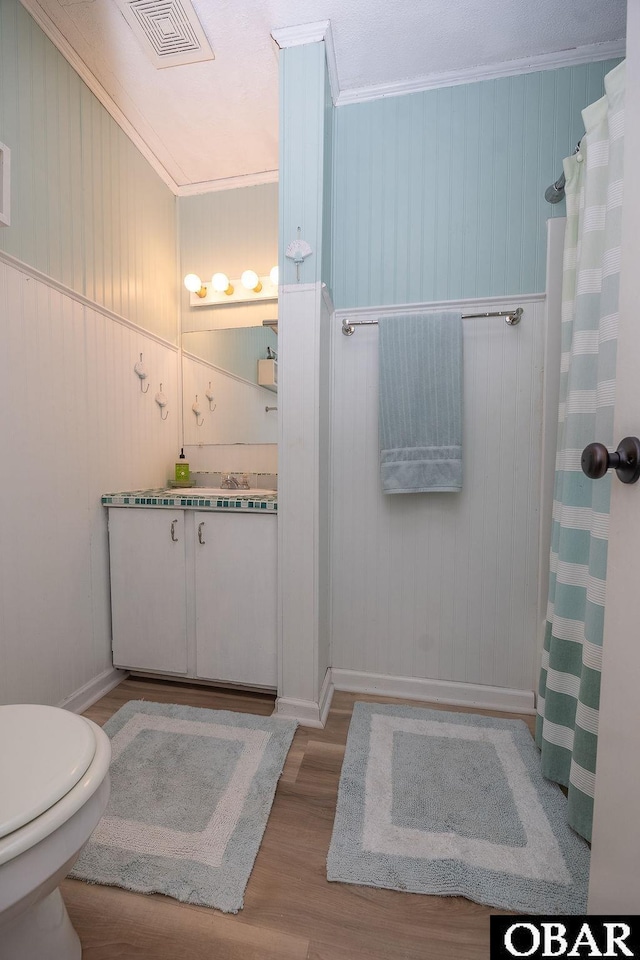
x=454, y=693
x=328, y=300
x=88, y=694
x=308, y=713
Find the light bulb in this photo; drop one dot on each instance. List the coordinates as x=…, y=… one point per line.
x=251, y=281
x=273, y=276
x=220, y=282
x=193, y=283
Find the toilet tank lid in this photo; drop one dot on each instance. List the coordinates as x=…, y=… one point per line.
x=44, y=752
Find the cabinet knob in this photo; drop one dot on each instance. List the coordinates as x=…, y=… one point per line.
x=173, y=531
x=200, y=537
x=596, y=460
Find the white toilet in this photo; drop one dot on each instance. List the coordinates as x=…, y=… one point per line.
x=54, y=787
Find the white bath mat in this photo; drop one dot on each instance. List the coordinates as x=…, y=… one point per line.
x=454, y=804
x=191, y=791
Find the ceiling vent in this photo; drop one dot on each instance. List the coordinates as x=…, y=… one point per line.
x=168, y=31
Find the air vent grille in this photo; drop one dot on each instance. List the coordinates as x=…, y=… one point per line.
x=168, y=30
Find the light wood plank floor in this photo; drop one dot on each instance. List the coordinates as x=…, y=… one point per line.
x=291, y=911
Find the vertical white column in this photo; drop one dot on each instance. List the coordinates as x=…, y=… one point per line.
x=302, y=390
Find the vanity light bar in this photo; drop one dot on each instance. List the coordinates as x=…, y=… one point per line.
x=267, y=290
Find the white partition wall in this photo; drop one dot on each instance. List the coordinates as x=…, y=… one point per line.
x=442, y=586
x=75, y=424
x=303, y=389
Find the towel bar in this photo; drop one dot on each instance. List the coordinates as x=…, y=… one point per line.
x=512, y=317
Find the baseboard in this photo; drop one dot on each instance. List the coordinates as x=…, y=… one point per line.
x=307, y=712
x=504, y=699
x=87, y=695
x=326, y=696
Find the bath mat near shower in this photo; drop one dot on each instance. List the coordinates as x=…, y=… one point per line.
x=191, y=791
x=454, y=804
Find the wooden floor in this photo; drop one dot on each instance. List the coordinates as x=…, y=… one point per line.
x=291, y=911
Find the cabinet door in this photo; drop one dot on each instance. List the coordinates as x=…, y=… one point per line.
x=148, y=592
x=236, y=599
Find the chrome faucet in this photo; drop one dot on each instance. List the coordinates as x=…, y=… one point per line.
x=229, y=482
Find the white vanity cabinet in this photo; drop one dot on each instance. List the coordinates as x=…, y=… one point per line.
x=148, y=590
x=235, y=598
x=193, y=593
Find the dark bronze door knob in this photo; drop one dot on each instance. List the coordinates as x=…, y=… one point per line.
x=596, y=460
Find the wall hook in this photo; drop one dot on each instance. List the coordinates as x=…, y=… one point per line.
x=297, y=251
x=198, y=412
x=141, y=371
x=210, y=397
x=162, y=401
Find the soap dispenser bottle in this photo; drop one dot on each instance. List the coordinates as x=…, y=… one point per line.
x=182, y=468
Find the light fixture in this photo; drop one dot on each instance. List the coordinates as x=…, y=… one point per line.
x=194, y=284
x=251, y=281
x=220, y=282
x=222, y=290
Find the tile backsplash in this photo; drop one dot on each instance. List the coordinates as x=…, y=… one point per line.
x=212, y=478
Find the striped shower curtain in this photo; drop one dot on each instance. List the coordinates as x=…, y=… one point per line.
x=569, y=693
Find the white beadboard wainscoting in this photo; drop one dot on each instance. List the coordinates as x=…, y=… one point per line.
x=74, y=425
x=304, y=686
x=441, y=586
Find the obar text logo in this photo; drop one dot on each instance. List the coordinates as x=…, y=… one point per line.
x=543, y=937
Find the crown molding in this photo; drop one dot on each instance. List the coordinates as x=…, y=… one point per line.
x=509, y=68
x=302, y=33
x=228, y=183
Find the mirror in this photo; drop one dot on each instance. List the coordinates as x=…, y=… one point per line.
x=229, y=230
x=221, y=349
x=236, y=350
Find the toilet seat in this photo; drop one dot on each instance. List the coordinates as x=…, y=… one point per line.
x=16, y=843
x=45, y=752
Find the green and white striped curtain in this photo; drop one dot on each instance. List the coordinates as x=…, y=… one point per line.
x=569, y=693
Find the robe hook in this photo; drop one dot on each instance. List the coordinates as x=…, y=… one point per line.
x=141, y=371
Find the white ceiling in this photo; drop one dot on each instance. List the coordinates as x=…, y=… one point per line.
x=204, y=124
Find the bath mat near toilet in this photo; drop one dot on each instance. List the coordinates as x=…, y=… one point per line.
x=191, y=791
x=454, y=804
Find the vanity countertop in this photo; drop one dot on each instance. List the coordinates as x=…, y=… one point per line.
x=172, y=498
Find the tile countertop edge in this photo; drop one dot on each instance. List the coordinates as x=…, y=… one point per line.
x=171, y=499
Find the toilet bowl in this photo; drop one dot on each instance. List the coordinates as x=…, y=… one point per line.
x=55, y=787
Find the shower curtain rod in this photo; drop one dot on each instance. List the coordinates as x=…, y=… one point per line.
x=512, y=317
x=555, y=192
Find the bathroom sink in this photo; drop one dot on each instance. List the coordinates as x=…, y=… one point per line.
x=221, y=492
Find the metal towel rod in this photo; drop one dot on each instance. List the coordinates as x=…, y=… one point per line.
x=512, y=317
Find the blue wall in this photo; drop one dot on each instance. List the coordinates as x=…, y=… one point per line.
x=327, y=185
x=440, y=195
x=302, y=155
